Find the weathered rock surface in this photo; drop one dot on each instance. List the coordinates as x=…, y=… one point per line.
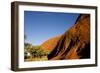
x=50, y=44
x=74, y=43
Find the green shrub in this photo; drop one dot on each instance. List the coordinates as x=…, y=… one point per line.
x=35, y=51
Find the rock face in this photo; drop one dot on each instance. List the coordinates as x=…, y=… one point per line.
x=50, y=44
x=74, y=43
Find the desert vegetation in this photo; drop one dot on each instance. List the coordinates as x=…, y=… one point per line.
x=34, y=53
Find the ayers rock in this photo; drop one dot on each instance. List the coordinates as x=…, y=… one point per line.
x=74, y=43
x=50, y=44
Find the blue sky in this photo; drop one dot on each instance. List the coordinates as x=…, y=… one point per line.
x=40, y=26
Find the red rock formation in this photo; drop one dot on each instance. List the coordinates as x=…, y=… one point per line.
x=74, y=43
x=50, y=44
